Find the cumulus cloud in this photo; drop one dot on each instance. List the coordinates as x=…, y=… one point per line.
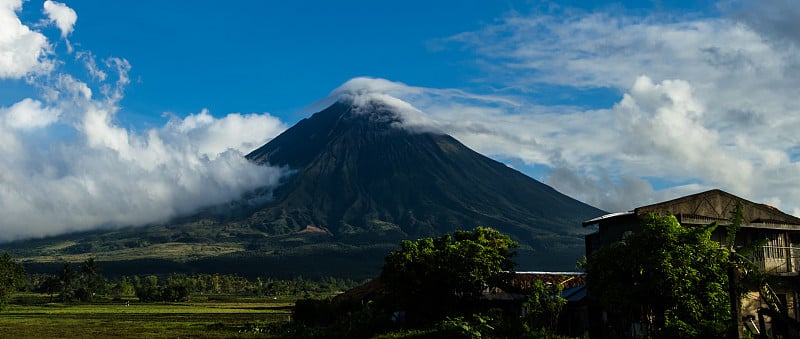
x=704, y=102
x=241, y=133
x=110, y=176
x=22, y=50
x=68, y=166
x=63, y=16
x=29, y=114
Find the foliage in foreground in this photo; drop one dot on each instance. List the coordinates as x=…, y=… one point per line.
x=430, y=279
x=434, y=288
x=543, y=307
x=670, y=277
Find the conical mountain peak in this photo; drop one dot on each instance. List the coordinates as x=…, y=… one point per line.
x=377, y=100
x=372, y=108
x=363, y=175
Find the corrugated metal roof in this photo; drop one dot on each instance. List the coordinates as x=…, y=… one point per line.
x=720, y=205
x=550, y=273
x=715, y=204
x=606, y=216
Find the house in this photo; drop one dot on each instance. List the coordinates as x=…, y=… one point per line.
x=573, y=319
x=774, y=305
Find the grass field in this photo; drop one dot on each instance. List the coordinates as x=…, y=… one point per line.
x=31, y=316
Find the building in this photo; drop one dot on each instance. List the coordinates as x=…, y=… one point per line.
x=775, y=305
x=572, y=320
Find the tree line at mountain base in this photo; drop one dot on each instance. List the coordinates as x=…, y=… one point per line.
x=86, y=283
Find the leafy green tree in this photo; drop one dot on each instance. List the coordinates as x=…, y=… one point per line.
x=50, y=284
x=70, y=284
x=146, y=289
x=90, y=281
x=121, y=288
x=670, y=277
x=543, y=307
x=12, y=276
x=177, y=288
x=67, y=279
x=433, y=278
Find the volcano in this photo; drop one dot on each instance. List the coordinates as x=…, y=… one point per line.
x=363, y=174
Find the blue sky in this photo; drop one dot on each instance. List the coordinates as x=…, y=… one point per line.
x=278, y=57
x=137, y=111
x=273, y=57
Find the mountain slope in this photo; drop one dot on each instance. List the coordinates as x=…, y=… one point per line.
x=362, y=176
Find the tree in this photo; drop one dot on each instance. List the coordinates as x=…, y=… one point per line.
x=50, y=285
x=12, y=276
x=68, y=278
x=177, y=288
x=147, y=289
x=431, y=278
x=544, y=305
x=90, y=281
x=670, y=277
x=121, y=288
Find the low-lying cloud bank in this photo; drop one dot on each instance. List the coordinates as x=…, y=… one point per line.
x=67, y=166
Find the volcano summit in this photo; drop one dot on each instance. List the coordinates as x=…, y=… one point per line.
x=365, y=173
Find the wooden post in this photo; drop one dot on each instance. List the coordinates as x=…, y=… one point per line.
x=733, y=294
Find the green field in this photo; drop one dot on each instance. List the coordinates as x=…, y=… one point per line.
x=32, y=316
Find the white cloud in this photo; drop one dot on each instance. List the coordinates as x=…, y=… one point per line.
x=121, y=67
x=242, y=133
x=110, y=176
x=710, y=101
x=91, y=65
x=68, y=165
x=28, y=114
x=22, y=51
x=71, y=87
x=63, y=16
x=363, y=92
x=706, y=103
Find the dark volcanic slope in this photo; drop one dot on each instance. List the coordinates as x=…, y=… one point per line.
x=363, y=178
